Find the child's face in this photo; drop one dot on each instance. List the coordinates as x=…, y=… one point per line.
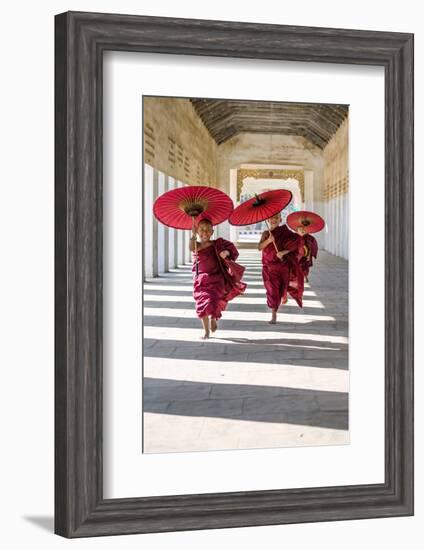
x=274, y=221
x=301, y=230
x=205, y=231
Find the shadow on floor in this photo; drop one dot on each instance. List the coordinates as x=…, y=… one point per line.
x=237, y=305
x=323, y=409
x=314, y=327
x=262, y=351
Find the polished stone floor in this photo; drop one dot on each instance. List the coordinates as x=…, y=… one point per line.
x=252, y=384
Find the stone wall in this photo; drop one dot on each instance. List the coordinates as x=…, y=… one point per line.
x=179, y=150
x=266, y=149
x=335, y=190
x=176, y=141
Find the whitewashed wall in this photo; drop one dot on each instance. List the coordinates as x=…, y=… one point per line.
x=336, y=212
x=335, y=192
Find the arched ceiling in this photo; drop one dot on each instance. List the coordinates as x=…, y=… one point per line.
x=224, y=118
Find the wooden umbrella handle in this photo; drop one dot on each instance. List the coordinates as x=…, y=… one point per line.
x=195, y=250
x=269, y=229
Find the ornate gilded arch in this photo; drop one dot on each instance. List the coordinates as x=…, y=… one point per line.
x=266, y=173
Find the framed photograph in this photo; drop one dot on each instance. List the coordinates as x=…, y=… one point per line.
x=228, y=380
x=234, y=274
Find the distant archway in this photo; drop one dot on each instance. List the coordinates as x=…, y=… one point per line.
x=271, y=174
x=250, y=186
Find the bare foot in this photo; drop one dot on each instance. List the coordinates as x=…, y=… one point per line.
x=273, y=318
x=205, y=336
x=214, y=325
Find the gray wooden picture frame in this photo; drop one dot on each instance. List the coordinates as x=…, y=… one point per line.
x=80, y=40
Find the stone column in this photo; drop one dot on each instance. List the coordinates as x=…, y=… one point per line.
x=186, y=246
x=148, y=220
x=337, y=217
x=319, y=205
x=155, y=230
x=346, y=215
x=309, y=190
x=171, y=234
x=233, y=196
x=161, y=228
x=336, y=175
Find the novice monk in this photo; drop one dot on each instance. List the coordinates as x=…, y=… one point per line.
x=310, y=250
x=281, y=271
x=215, y=284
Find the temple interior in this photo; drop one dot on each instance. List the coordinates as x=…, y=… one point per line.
x=242, y=148
x=251, y=384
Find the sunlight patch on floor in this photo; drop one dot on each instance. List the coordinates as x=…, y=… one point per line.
x=272, y=375
x=241, y=299
x=241, y=336
x=240, y=315
x=209, y=434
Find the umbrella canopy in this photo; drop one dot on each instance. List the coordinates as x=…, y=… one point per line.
x=311, y=222
x=179, y=207
x=260, y=207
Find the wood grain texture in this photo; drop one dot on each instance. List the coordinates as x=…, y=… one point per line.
x=81, y=39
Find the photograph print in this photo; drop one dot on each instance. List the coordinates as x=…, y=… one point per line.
x=245, y=274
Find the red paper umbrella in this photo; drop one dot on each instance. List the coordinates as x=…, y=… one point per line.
x=311, y=222
x=260, y=207
x=180, y=207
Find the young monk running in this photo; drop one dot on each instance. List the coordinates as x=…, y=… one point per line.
x=218, y=277
x=310, y=250
x=281, y=271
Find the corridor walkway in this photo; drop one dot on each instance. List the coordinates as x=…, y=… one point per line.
x=251, y=385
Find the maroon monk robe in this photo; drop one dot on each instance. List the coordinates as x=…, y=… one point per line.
x=310, y=251
x=218, y=281
x=282, y=276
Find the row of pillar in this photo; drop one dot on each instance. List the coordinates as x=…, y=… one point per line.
x=337, y=235
x=165, y=248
